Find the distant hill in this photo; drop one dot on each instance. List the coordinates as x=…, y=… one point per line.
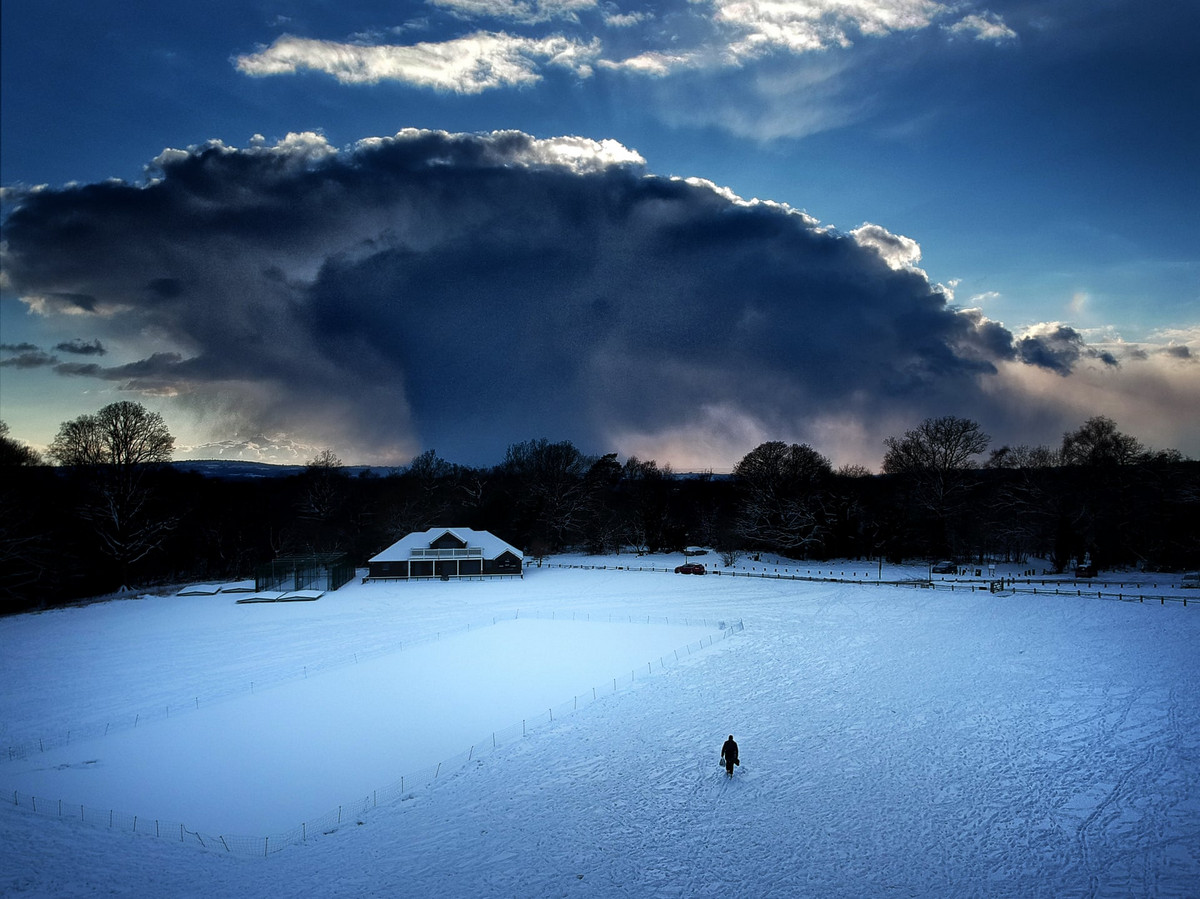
x=239, y=470
x=243, y=470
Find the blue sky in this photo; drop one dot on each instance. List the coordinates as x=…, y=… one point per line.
x=1009, y=192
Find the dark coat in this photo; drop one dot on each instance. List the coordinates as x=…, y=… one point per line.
x=729, y=754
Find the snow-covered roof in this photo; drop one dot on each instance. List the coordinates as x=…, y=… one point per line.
x=492, y=546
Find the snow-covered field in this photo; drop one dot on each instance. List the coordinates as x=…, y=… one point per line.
x=894, y=741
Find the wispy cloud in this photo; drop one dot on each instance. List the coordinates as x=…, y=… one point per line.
x=467, y=65
x=721, y=35
x=803, y=26
x=985, y=26
x=626, y=19
x=517, y=10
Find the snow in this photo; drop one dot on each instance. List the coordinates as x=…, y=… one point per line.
x=280, y=755
x=488, y=543
x=894, y=740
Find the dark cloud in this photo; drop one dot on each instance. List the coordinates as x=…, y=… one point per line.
x=82, y=348
x=26, y=356
x=66, y=302
x=166, y=288
x=465, y=292
x=1058, y=348
x=162, y=374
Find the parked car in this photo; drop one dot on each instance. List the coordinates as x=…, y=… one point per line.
x=691, y=568
x=945, y=568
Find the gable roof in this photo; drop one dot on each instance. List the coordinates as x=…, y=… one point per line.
x=492, y=546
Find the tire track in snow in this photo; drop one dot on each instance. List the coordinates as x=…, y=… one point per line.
x=1083, y=834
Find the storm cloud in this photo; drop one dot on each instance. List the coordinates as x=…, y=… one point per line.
x=464, y=292
x=24, y=355
x=1057, y=347
x=79, y=347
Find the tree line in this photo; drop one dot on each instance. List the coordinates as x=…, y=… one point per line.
x=110, y=512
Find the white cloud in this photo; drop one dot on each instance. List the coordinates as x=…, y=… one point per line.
x=654, y=63
x=307, y=146
x=802, y=26
x=579, y=154
x=718, y=36
x=517, y=10
x=898, y=251
x=985, y=27
x=276, y=449
x=468, y=65
x=626, y=20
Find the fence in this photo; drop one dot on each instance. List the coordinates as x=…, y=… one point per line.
x=1068, y=588
x=271, y=679
x=331, y=821
x=315, y=571
x=1126, y=591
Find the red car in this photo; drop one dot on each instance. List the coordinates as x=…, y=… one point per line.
x=690, y=568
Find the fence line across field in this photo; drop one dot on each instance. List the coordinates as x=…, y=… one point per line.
x=405, y=787
x=273, y=679
x=1032, y=585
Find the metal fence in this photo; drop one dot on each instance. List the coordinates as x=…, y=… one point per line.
x=315, y=571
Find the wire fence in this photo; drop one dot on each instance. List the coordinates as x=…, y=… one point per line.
x=407, y=785
x=28, y=746
x=1122, y=591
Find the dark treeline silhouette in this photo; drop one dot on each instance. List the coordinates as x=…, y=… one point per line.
x=77, y=529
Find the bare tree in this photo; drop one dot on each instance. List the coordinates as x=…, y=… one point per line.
x=1023, y=457
x=730, y=557
x=783, y=495
x=550, y=479
x=14, y=454
x=114, y=451
x=934, y=456
x=945, y=444
x=853, y=470
x=423, y=495
x=647, y=517
x=23, y=553
x=324, y=486
x=124, y=436
x=1098, y=442
x=603, y=527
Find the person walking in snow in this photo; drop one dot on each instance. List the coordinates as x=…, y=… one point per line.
x=729, y=755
